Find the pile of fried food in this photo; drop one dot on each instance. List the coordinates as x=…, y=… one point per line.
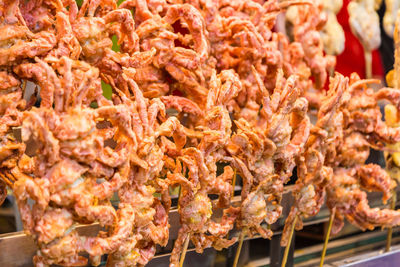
x=201, y=90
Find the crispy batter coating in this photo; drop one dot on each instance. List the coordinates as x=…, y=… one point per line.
x=201, y=90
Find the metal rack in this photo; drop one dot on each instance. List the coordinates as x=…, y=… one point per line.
x=17, y=249
x=372, y=259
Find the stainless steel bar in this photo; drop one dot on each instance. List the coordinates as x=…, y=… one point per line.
x=17, y=249
x=376, y=258
x=340, y=251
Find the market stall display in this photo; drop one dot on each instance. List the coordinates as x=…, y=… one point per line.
x=200, y=91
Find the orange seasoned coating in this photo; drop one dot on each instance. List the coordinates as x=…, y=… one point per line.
x=201, y=91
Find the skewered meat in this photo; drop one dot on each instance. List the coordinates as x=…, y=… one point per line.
x=364, y=23
x=351, y=175
x=364, y=113
x=349, y=149
x=314, y=174
x=150, y=213
x=196, y=86
x=307, y=22
x=195, y=207
x=389, y=19
x=67, y=139
x=17, y=43
x=332, y=33
x=351, y=202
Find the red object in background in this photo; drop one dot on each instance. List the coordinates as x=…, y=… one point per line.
x=352, y=59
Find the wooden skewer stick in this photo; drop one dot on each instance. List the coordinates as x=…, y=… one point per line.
x=328, y=233
x=390, y=229
x=241, y=238
x=332, y=72
x=185, y=247
x=242, y=235
x=24, y=86
x=233, y=188
x=368, y=63
x=186, y=244
x=286, y=254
